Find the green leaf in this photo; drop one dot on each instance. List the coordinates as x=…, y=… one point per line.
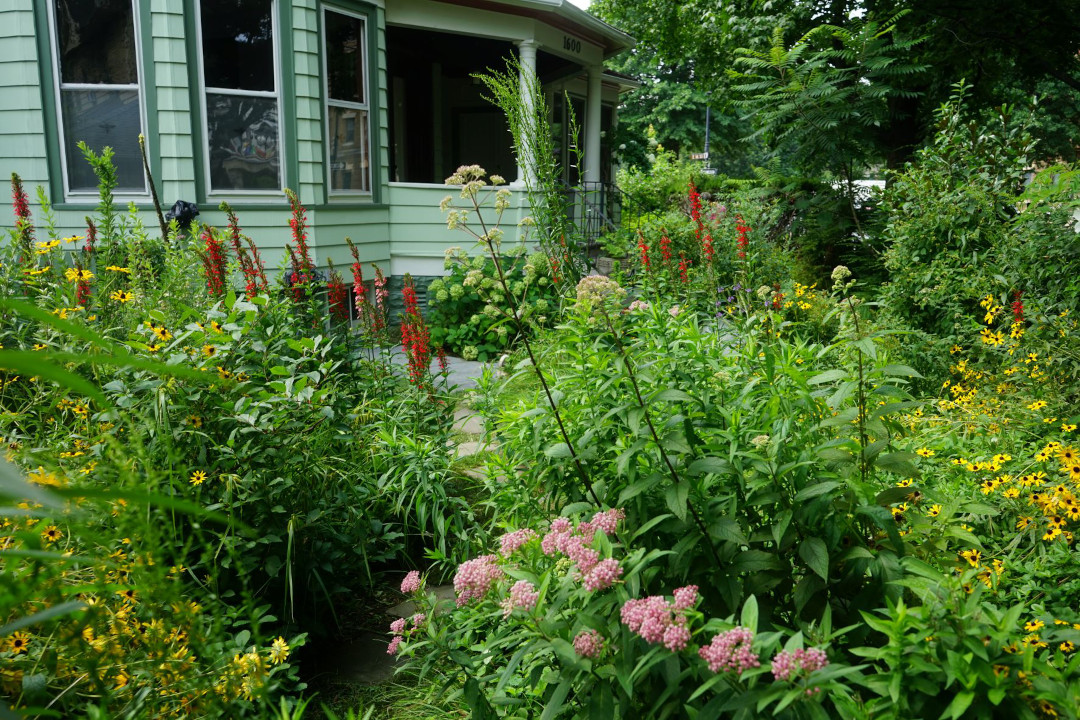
x=755, y=561
x=959, y=705
x=827, y=377
x=558, y=450
x=39, y=617
x=898, y=462
x=280, y=370
x=558, y=698
x=639, y=486
x=716, y=465
x=33, y=364
x=866, y=345
x=749, y=617
x=899, y=371
x=12, y=485
x=672, y=395
x=805, y=590
x=676, y=497
x=727, y=528
x=816, y=555
x=893, y=495
x=812, y=491
x=601, y=703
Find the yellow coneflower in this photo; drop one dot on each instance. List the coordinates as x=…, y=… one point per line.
x=121, y=296
x=198, y=477
x=18, y=642
x=52, y=534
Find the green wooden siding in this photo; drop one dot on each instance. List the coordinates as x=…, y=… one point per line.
x=173, y=121
x=418, y=226
x=22, y=143
x=380, y=183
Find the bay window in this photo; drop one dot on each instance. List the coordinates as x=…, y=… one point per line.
x=348, y=143
x=96, y=66
x=241, y=95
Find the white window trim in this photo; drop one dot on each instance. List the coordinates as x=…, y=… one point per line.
x=257, y=195
x=59, y=86
x=328, y=103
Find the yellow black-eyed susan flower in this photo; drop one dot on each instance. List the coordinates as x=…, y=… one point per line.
x=121, y=296
x=18, y=642
x=198, y=477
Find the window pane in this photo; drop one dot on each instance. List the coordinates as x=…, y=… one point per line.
x=243, y=136
x=238, y=44
x=96, y=42
x=103, y=118
x=345, y=57
x=349, y=149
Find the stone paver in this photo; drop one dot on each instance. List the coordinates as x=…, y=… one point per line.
x=460, y=373
x=468, y=422
x=467, y=449
x=364, y=660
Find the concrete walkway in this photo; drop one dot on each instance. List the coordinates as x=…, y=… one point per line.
x=462, y=374
x=364, y=660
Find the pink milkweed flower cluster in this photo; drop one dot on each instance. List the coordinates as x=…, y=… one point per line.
x=401, y=629
x=511, y=541
x=522, y=595
x=475, y=577
x=656, y=620
x=685, y=597
x=602, y=575
x=589, y=643
x=731, y=650
x=785, y=663
x=575, y=542
x=411, y=583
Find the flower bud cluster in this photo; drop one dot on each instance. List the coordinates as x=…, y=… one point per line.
x=401, y=630
x=575, y=543
x=786, y=664
x=411, y=583
x=475, y=577
x=731, y=650
x=656, y=620
x=511, y=541
x=589, y=644
x=522, y=595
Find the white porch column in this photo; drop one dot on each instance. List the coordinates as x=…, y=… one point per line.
x=592, y=125
x=526, y=174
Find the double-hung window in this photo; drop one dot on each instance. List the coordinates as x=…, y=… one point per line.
x=242, y=100
x=347, y=109
x=96, y=66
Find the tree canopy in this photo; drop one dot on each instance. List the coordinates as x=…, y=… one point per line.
x=1006, y=51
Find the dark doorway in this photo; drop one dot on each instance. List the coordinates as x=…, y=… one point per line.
x=439, y=119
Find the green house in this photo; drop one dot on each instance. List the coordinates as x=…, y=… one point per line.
x=363, y=108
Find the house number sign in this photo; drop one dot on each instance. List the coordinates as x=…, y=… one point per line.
x=571, y=44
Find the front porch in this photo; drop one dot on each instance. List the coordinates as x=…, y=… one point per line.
x=438, y=118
